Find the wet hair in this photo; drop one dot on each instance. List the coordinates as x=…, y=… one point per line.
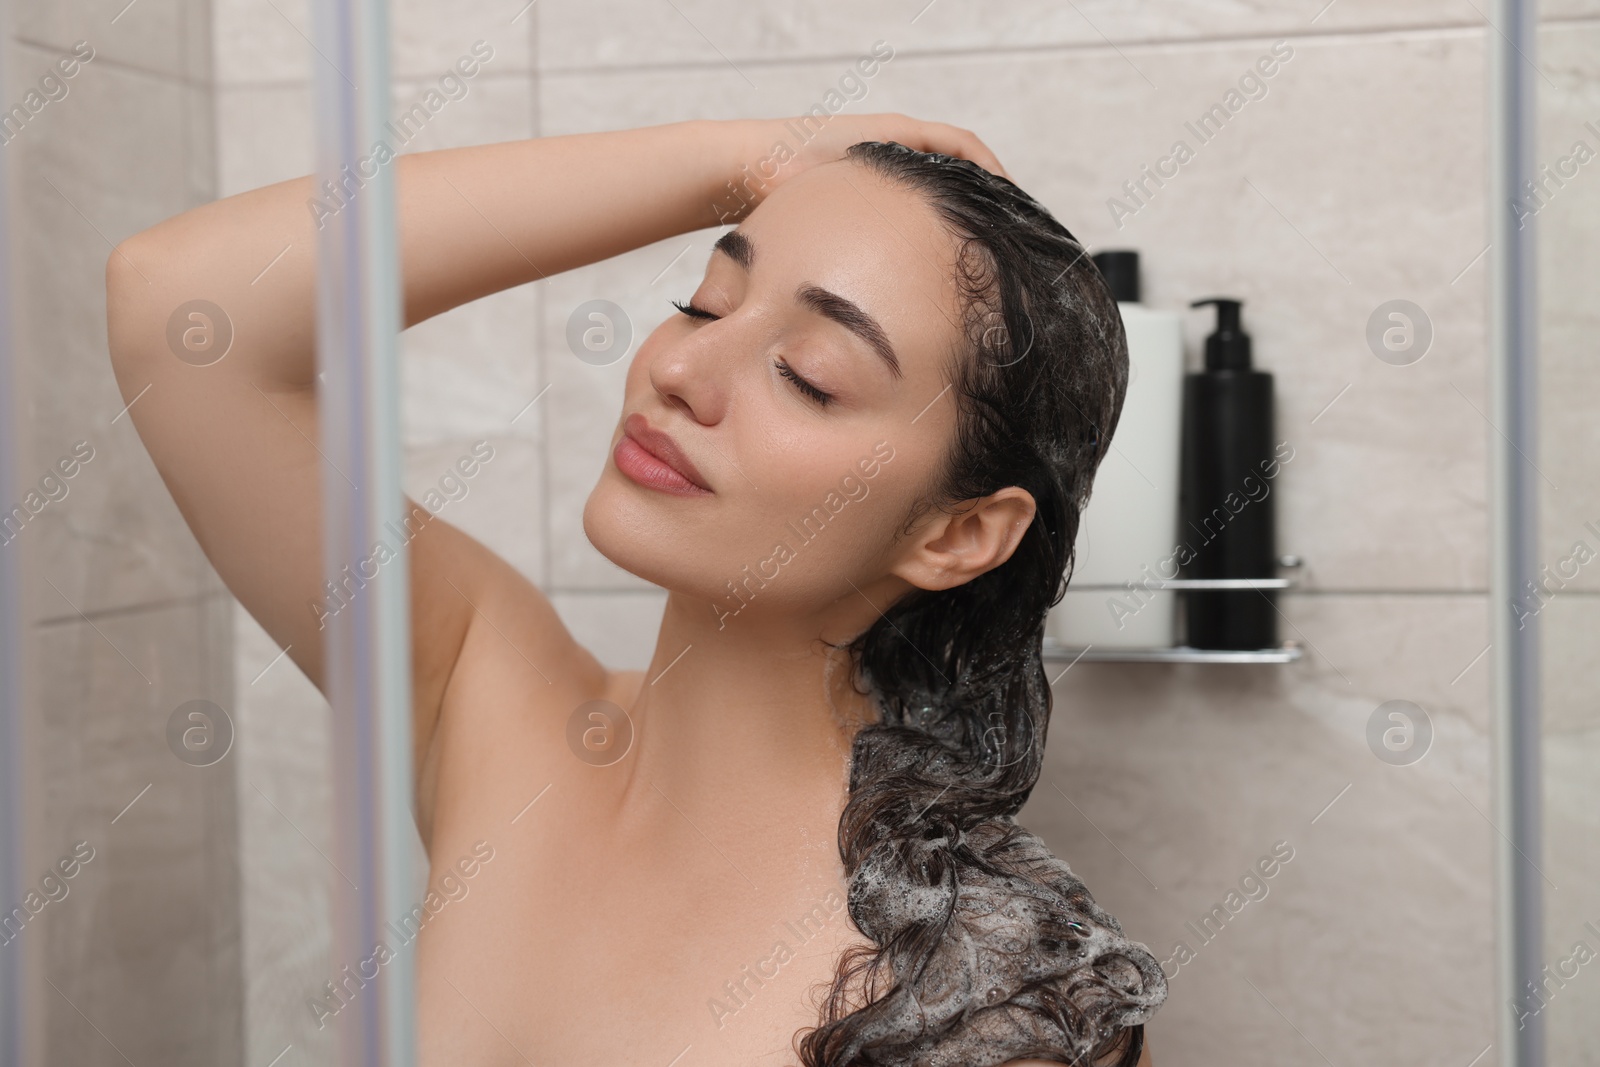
x=985, y=948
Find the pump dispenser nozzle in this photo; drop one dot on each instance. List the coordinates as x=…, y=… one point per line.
x=1228, y=348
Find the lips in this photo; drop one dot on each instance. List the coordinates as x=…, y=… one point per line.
x=663, y=448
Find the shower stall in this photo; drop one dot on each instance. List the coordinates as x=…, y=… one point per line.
x=198, y=850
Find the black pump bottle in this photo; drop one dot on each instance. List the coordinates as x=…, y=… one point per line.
x=1226, y=493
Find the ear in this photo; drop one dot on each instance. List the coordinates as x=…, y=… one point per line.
x=952, y=549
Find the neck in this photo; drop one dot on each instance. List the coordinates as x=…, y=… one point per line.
x=752, y=711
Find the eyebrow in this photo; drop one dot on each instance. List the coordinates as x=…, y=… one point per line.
x=847, y=313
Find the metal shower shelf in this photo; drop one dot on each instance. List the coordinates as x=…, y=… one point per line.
x=1201, y=583
x=1288, y=652
x=1057, y=653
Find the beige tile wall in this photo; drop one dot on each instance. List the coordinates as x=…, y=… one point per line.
x=142, y=955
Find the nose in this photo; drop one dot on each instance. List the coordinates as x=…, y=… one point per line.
x=695, y=371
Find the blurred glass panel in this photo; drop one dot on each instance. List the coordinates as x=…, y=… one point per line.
x=1566, y=208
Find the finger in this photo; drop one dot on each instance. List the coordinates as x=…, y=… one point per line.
x=967, y=145
x=942, y=137
x=982, y=155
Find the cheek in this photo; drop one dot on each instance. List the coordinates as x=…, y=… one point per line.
x=833, y=520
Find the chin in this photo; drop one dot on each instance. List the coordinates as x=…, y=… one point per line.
x=631, y=526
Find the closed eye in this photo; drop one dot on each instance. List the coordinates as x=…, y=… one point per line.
x=690, y=310
x=822, y=398
x=804, y=386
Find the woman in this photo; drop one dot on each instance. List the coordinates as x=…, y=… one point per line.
x=855, y=459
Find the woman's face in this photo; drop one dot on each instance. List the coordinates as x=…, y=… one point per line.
x=831, y=277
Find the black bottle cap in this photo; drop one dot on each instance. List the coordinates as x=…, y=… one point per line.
x=1228, y=348
x=1120, y=268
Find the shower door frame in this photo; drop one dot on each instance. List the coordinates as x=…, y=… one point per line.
x=1515, y=710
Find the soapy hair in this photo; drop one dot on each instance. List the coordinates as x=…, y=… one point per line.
x=985, y=947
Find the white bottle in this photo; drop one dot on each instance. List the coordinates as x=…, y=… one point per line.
x=1128, y=534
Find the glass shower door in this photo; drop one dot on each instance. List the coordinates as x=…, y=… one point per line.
x=192, y=841
x=1564, y=207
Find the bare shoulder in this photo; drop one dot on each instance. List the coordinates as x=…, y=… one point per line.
x=507, y=653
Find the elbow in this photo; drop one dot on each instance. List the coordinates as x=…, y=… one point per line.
x=154, y=309
x=130, y=289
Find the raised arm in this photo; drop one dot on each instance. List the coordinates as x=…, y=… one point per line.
x=236, y=440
